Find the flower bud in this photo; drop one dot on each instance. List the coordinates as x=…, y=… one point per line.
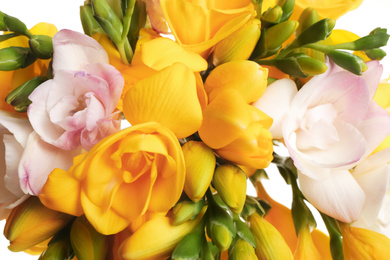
x=220, y=235
x=108, y=20
x=13, y=58
x=59, y=246
x=230, y=182
x=278, y=34
x=200, y=164
x=86, y=242
x=3, y=27
x=348, y=61
x=13, y=24
x=42, y=46
x=242, y=250
x=269, y=242
x=238, y=45
x=90, y=25
x=32, y=223
x=185, y=210
x=156, y=239
x=19, y=96
x=308, y=17
x=273, y=15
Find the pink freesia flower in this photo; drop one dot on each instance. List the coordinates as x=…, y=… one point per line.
x=26, y=161
x=77, y=107
x=328, y=126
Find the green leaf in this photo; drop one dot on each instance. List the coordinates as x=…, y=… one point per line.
x=244, y=232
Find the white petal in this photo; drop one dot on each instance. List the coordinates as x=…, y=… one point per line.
x=74, y=50
x=275, y=102
x=38, y=160
x=20, y=127
x=338, y=196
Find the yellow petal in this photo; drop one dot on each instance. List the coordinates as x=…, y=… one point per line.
x=156, y=239
x=248, y=77
x=168, y=97
x=160, y=53
x=306, y=248
x=360, y=243
x=322, y=243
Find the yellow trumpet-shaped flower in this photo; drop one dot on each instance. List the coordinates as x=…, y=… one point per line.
x=230, y=182
x=200, y=165
x=168, y=97
x=156, y=239
x=239, y=45
x=199, y=25
x=248, y=77
x=141, y=166
x=360, y=243
x=237, y=131
x=269, y=242
x=31, y=223
x=12, y=79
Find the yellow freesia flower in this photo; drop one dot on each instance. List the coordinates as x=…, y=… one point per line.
x=332, y=9
x=360, y=243
x=141, y=167
x=12, y=79
x=248, y=77
x=236, y=130
x=199, y=25
x=305, y=247
x=168, y=97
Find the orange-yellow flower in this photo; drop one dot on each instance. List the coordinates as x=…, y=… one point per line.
x=236, y=130
x=137, y=170
x=199, y=25
x=360, y=243
x=12, y=79
x=168, y=97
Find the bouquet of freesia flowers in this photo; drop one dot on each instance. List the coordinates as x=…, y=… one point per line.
x=138, y=139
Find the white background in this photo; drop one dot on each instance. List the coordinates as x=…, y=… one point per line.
x=65, y=14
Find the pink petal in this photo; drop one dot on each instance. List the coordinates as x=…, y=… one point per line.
x=275, y=102
x=73, y=50
x=338, y=196
x=38, y=160
x=372, y=76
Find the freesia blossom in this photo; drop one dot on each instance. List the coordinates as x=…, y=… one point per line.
x=141, y=167
x=26, y=161
x=76, y=107
x=328, y=127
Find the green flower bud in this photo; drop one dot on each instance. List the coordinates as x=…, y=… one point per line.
x=138, y=21
x=186, y=210
x=13, y=24
x=308, y=17
x=230, y=182
x=220, y=235
x=375, y=54
x=90, y=25
x=314, y=33
x=86, y=242
x=278, y=34
x=19, y=96
x=59, y=246
x=13, y=58
x=288, y=7
x=242, y=250
x=42, y=46
x=348, y=61
x=32, y=223
x=311, y=66
x=371, y=41
x=272, y=15
x=108, y=20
